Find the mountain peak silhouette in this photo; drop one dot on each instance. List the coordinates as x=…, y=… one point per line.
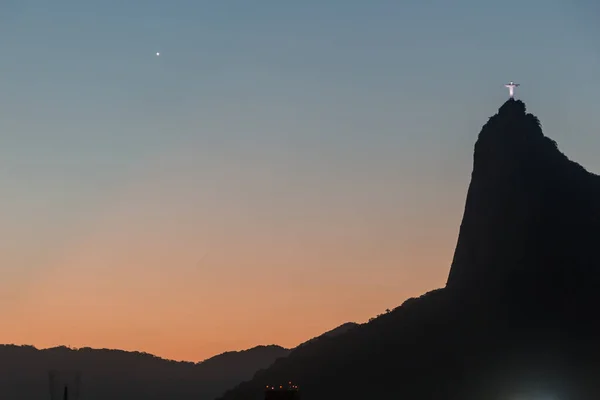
x=530, y=211
x=519, y=309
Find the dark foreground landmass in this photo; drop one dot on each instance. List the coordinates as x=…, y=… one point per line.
x=115, y=374
x=519, y=313
x=122, y=375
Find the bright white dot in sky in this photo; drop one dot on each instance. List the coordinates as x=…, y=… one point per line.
x=157, y=54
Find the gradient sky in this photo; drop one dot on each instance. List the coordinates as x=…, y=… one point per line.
x=283, y=167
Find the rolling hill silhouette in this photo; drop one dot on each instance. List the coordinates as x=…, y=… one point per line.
x=116, y=374
x=519, y=312
x=123, y=375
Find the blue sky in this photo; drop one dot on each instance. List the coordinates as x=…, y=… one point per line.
x=270, y=111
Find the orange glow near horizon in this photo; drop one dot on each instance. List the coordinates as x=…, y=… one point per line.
x=187, y=274
x=275, y=172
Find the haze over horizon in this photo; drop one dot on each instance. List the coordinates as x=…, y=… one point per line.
x=279, y=169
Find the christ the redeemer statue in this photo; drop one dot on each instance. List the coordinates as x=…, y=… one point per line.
x=511, y=88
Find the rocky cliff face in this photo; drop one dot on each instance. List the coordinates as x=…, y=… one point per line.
x=532, y=216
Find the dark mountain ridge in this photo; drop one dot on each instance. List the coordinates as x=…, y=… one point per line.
x=118, y=374
x=518, y=314
x=332, y=333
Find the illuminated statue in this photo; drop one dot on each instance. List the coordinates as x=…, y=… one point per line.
x=511, y=88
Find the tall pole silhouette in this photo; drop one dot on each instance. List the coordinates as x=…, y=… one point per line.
x=64, y=386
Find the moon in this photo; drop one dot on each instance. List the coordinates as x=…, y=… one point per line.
x=157, y=54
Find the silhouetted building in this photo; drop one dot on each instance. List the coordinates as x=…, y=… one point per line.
x=289, y=392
